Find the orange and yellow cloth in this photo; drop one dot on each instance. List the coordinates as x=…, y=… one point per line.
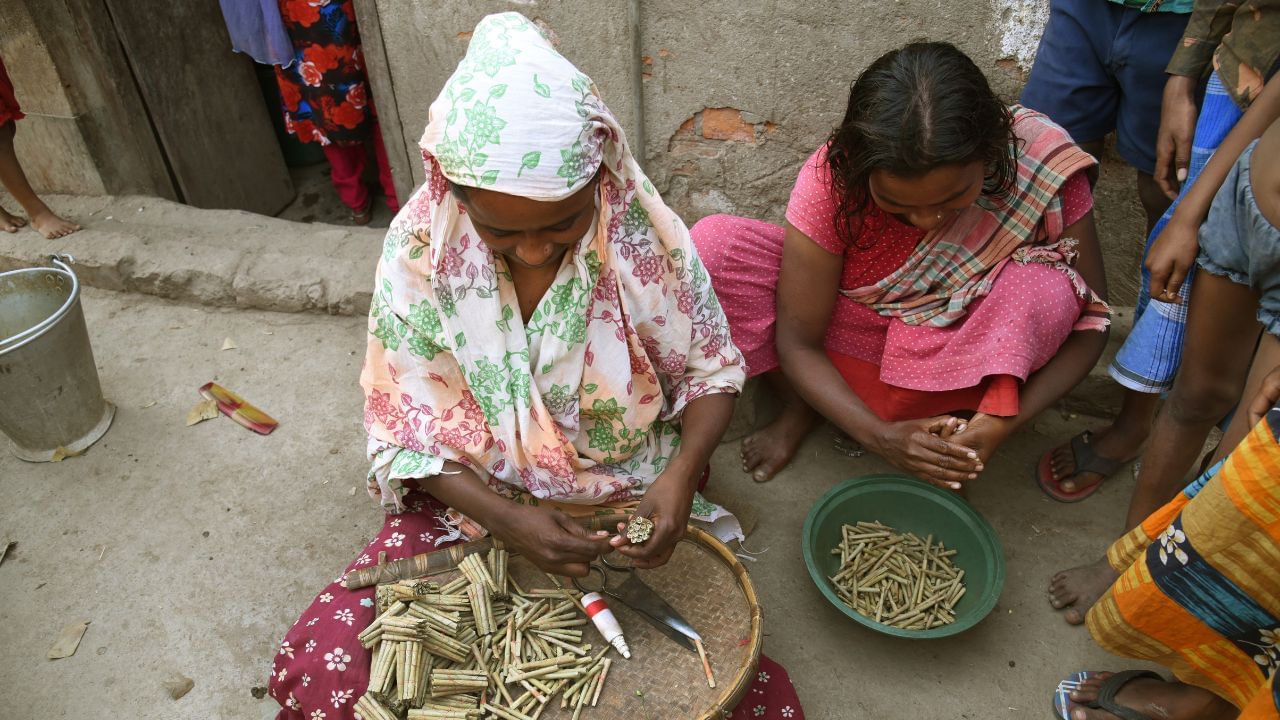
x=1199, y=590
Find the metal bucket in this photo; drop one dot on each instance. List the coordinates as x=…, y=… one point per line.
x=51, y=404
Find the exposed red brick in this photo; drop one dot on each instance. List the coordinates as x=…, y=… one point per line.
x=646, y=60
x=726, y=124
x=664, y=53
x=464, y=36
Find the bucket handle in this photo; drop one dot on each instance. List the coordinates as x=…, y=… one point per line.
x=61, y=263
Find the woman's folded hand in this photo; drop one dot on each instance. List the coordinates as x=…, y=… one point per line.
x=921, y=448
x=550, y=539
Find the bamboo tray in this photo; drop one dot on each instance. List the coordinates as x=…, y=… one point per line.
x=707, y=585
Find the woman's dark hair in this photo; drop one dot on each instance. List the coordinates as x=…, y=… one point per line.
x=912, y=110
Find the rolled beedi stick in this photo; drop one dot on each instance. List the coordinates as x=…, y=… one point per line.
x=605, y=621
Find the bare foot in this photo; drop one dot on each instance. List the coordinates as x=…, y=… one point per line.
x=11, y=223
x=1111, y=442
x=1153, y=698
x=1077, y=589
x=769, y=449
x=51, y=226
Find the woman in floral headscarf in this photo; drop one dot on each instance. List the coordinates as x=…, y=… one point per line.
x=543, y=337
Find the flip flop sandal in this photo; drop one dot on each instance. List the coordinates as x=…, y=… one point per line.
x=1086, y=461
x=365, y=216
x=1062, y=702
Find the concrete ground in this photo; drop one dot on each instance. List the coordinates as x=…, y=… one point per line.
x=317, y=201
x=192, y=549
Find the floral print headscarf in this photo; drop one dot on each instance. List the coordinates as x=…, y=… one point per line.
x=582, y=403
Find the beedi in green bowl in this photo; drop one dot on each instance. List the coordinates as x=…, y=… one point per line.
x=908, y=505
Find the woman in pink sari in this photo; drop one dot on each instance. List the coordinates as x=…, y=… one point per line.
x=937, y=283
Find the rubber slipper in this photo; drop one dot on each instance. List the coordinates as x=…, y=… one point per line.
x=1086, y=461
x=1063, y=704
x=365, y=216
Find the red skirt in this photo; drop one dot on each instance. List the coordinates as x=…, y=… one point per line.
x=9, y=109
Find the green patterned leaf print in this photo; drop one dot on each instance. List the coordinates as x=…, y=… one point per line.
x=541, y=88
x=590, y=388
x=466, y=95
x=505, y=323
x=605, y=410
x=529, y=161
x=423, y=346
x=459, y=341
x=483, y=125
x=410, y=464
x=601, y=437
x=701, y=508
x=415, y=252
x=573, y=163
x=635, y=220
x=425, y=318
x=498, y=90
x=444, y=296
x=648, y=187
x=490, y=177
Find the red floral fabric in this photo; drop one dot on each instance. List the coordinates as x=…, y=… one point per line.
x=325, y=91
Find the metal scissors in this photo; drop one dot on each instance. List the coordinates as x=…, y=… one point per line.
x=621, y=582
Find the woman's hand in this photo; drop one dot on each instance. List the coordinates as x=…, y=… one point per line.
x=550, y=539
x=1172, y=256
x=667, y=503
x=920, y=448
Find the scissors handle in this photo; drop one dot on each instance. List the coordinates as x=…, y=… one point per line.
x=624, y=566
x=594, y=569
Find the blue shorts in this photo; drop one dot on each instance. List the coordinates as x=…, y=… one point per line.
x=1100, y=67
x=1239, y=243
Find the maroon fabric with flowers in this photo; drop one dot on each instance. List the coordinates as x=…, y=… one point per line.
x=325, y=91
x=320, y=668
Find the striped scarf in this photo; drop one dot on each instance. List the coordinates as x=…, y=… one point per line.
x=957, y=262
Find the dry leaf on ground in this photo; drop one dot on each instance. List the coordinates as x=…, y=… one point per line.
x=179, y=685
x=229, y=344
x=62, y=453
x=201, y=411
x=4, y=548
x=68, y=640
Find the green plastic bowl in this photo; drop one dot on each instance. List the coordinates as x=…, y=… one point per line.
x=908, y=505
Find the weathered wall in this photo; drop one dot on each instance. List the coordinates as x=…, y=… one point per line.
x=735, y=94
x=86, y=130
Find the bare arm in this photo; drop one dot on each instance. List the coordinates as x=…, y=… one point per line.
x=1174, y=251
x=1073, y=361
x=807, y=292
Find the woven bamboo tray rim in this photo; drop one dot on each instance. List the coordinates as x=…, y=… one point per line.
x=733, y=691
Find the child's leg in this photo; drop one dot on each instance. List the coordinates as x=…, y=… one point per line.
x=15, y=181
x=1265, y=360
x=1221, y=332
x=346, y=172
